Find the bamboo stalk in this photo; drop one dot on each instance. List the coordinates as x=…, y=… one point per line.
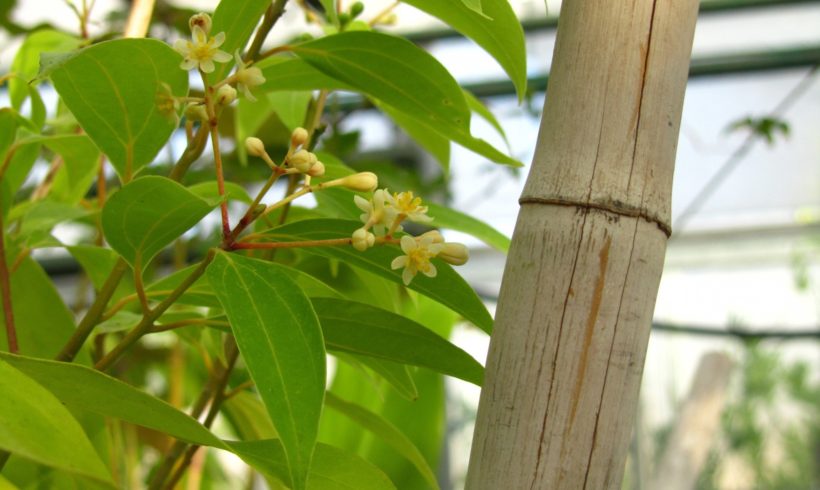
x=576, y=302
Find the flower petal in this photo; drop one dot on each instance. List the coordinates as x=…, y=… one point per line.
x=187, y=64
x=217, y=40
x=430, y=270
x=198, y=35
x=408, y=244
x=221, y=56
x=407, y=276
x=399, y=262
x=207, y=66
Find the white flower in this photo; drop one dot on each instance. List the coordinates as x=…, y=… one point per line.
x=247, y=77
x=416, y=258
x=201, y=50
x=405, y=205
x=362, y=239
x=374, y=211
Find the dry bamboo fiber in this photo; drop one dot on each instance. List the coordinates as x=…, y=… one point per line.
x=582, y=275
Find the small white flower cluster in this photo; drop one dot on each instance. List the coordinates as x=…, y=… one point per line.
x=384, y=214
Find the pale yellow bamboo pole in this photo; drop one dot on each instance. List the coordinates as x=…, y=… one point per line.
x=139, y=19
x=579, y=288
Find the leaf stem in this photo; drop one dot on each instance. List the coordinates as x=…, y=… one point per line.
x=307, y=243
x=5, y=291
x=272, y=15
x=194, y=150
x=148, y=318
x=249, y=216
x=213, y=123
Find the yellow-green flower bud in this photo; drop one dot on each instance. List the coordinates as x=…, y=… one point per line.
x=202, y=20
x=255, y=147
x=301, y=161
x=196, y=112
x=298, y=137
x=225, y=95
x=363, y=239
x=317, y=170
x=434, y=235
x=362, y=181
x=454, y=253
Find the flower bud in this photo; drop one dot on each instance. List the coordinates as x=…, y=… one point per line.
x=196, y=112
x=363, y=239
x=255, y=147
x=434, y=235
x=356, y=9
x=362, y=181
x=301, y=161
x=317, y=170
x=454, y=253
x=202, y=20
x=298, y=137
x=225, y=95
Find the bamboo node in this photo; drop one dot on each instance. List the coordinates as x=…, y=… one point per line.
x=617, y=208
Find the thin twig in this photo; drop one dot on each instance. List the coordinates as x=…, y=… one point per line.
x=272, y=15
x=5, y=290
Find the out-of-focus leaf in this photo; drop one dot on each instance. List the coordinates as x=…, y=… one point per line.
x=281, y=342
x=209, y=191
x=96, y=261
x=34, y=425
x=428, y=138
x=332, y=468
x=80, y=163
x=148, y=214
x=26, y=62
x=41, y=332
x=249, y=417
x=120, y=92
x=385, y=430
x=89, y=389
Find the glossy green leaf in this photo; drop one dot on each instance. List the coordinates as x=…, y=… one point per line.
x=209, y=191
x=295, y=74
x=34, y=425
x=81, y=160
x=496, y=29
x=332, y=468
x=238, y=21
x=420, y=88
x=96, y=261
x=386, y=431
x=88, y=389
x=448, y=288
x=26, y=62
x=117, y=91
x=281, y=342
x=41, y=331
x=362, y=329
x=429, y=139
x=148, y=214
x=451, y=219
x=418, y=83
x=479, y=108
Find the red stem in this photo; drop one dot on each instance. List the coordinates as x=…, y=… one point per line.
x=5, y=291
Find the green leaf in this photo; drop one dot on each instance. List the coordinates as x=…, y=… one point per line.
x=41, y=331
x=429, y=139
x=332, y=468
x=385, y=430
x=43, y=215
x=148, y=214
x=88, y=389
x=402, y=76
x=22, y=161
x=281, y=342
x=394, y=373
x=26, y=62
x=445, y=217
x=209, y=191
x=249, y=417
x=34, y=425
x=479, y=108
x=394, y=71
x=290, y=107
x=295, y=74
x=117, y=91
x=330, y=11
x=80, y=164
x=237, y=20
x=362, y=329
x=6, y=485
x=496, y=29
x=96, y=261
x=448, y=288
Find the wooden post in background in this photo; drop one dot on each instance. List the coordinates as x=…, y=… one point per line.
x=579, y=288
